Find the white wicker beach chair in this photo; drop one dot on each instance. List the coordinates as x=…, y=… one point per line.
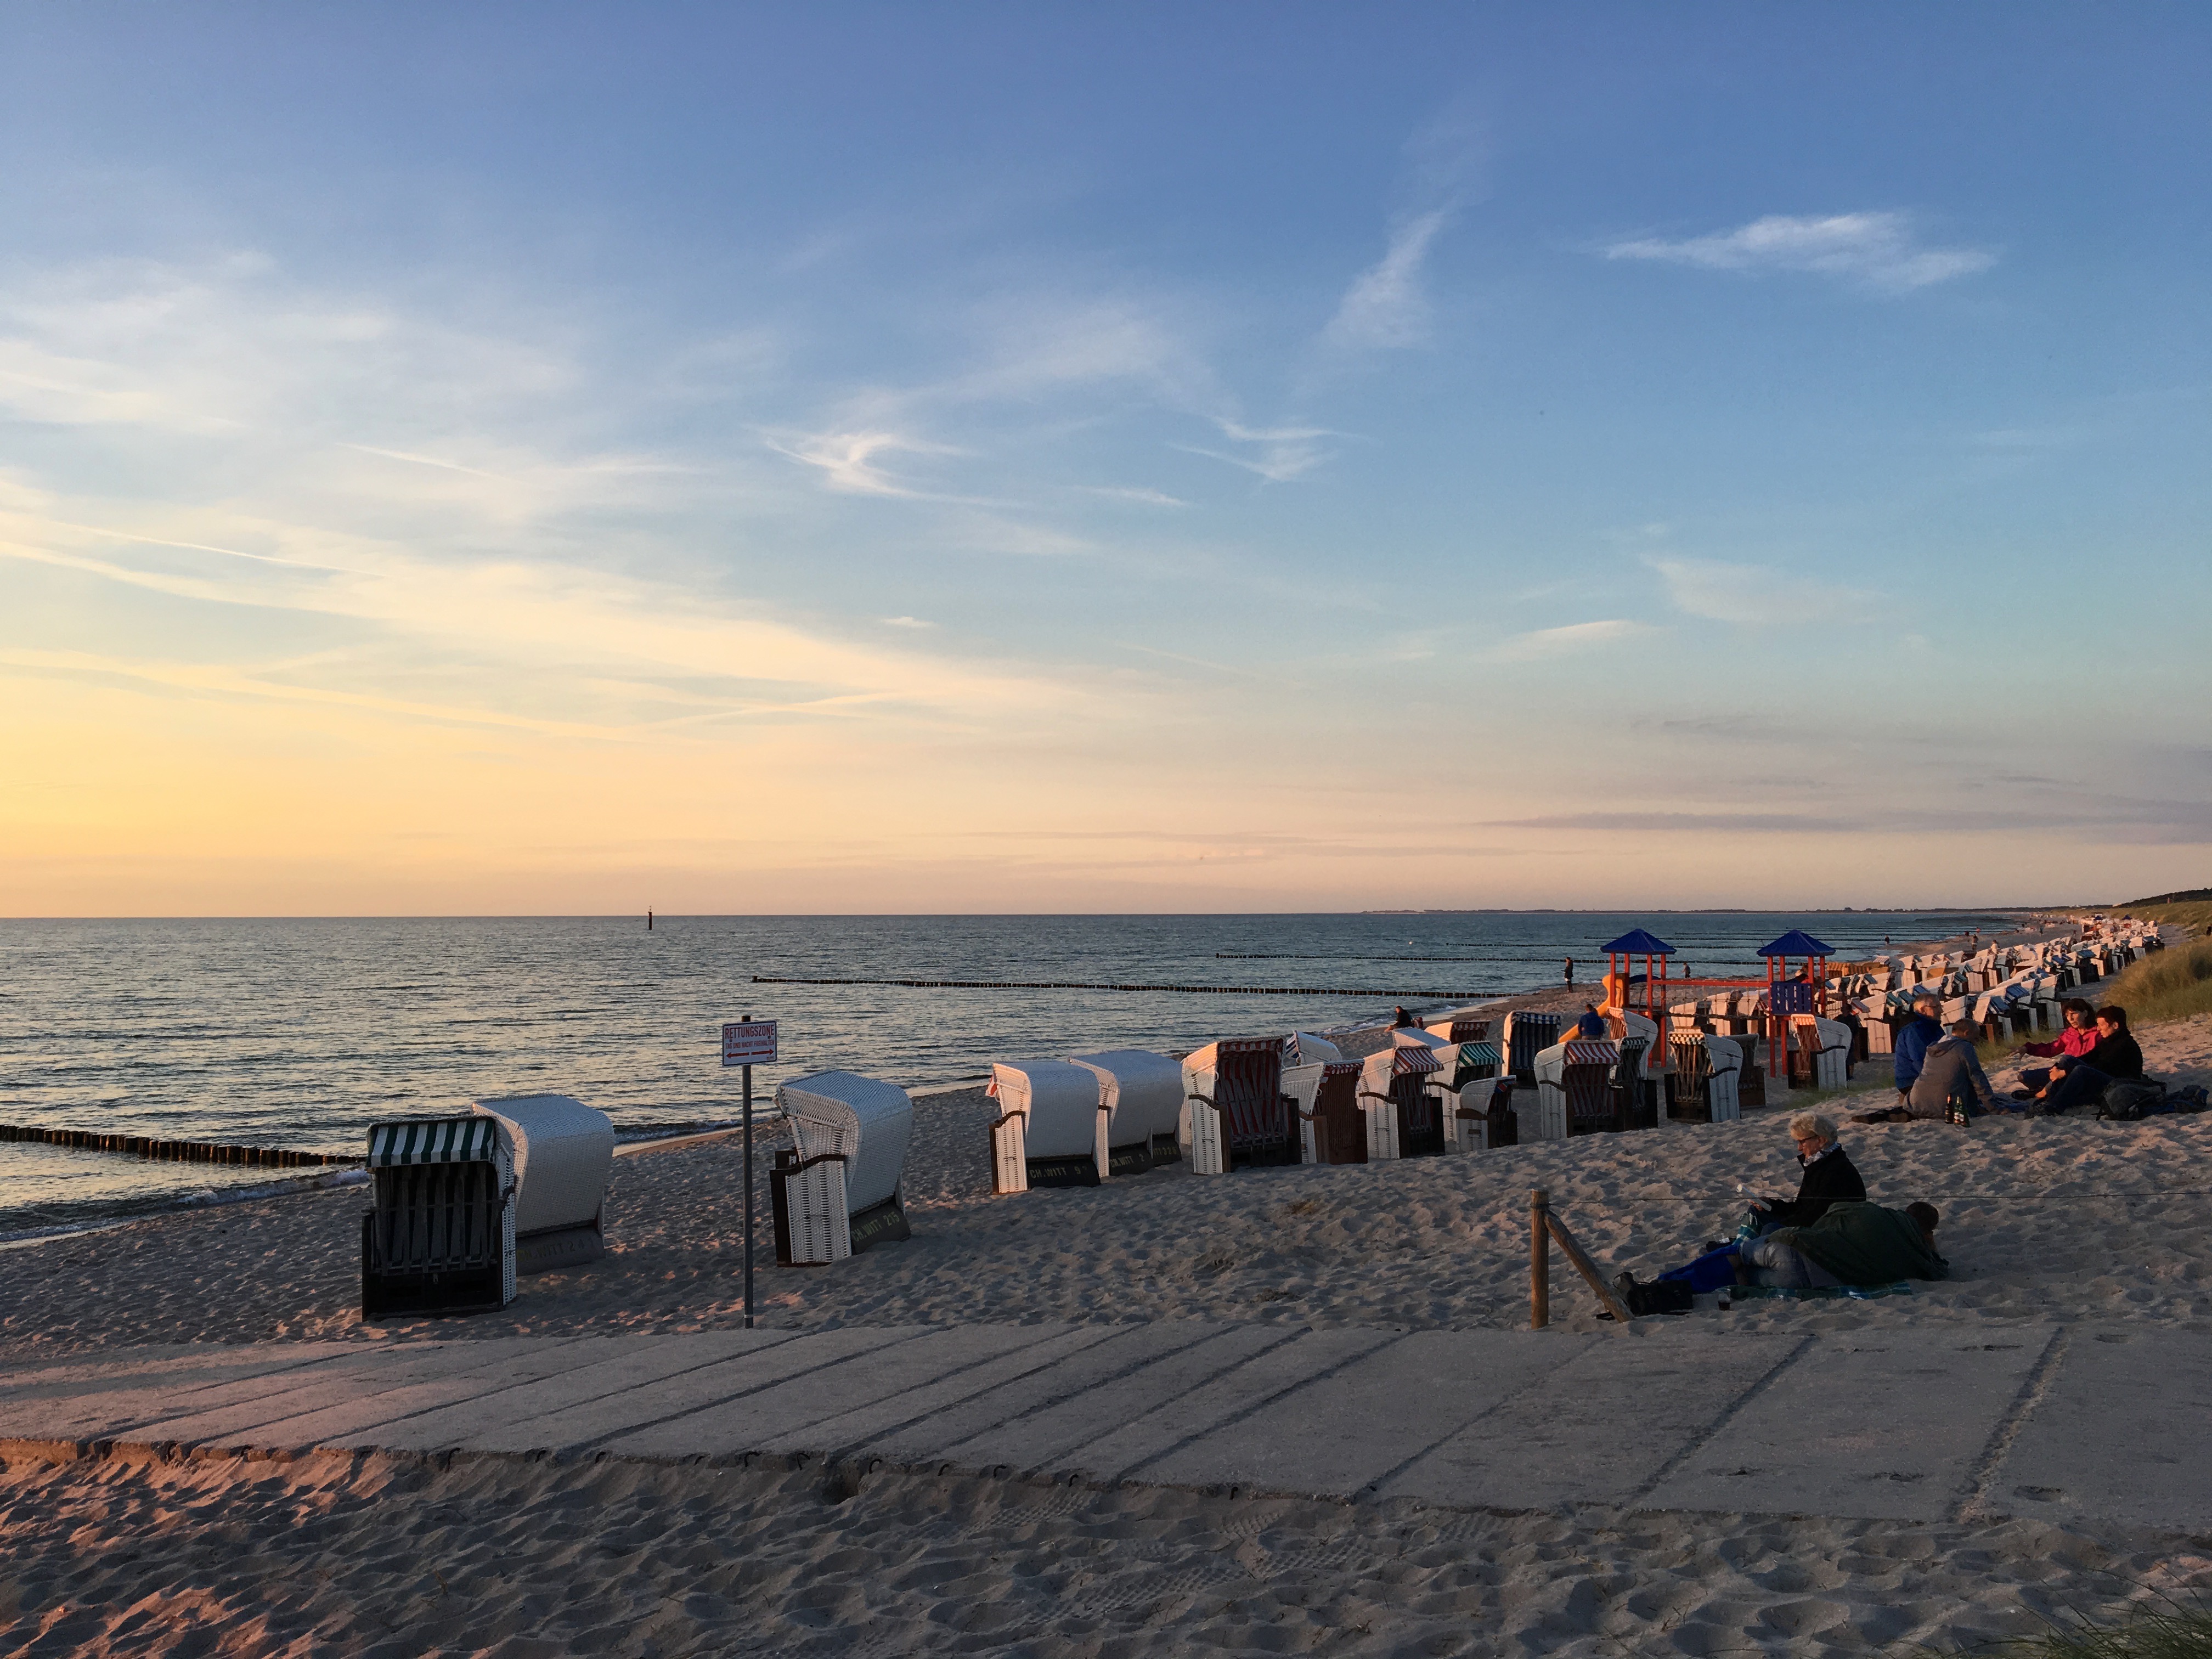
x=1140, y=1098
x=1050, y=1109
x=837, y=1190
x=1234, y=1112
x=1829, y=1051
x=1574, y=1088
x=439, y=1236
x=563, y=1154
x=1403, y=1119
x=1325, y=1094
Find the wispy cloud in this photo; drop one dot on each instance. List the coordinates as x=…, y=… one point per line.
x=907, y=622
x=1877, y=250
x=847, y=459
x=1386, y=305
x=1574, y=637
x=1722, y=592
x=1142, y=497
x=1278, y=454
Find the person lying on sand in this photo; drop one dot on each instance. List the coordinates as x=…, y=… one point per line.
x=2079, y=1080
x=1829, y=1176
x=1852, y=1244
x=1952, y=1072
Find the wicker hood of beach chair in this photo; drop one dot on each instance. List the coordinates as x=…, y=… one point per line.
x=1139, y=1101
x=1045, y=1134
x=564, y=1155
x=1305, y=1048
x=837, y=1190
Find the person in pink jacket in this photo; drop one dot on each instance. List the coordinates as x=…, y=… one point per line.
x=2076, y=1041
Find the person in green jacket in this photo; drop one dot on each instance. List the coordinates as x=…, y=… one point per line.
x=1852, y=1244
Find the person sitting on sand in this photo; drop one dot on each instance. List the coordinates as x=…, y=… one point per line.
x=1914, y=1038
x=1851, y=1244
x=2076, y=1041
x=1953, y=1072
x=2079, y=1081
x=1829, y=1177
x=1591, y=1026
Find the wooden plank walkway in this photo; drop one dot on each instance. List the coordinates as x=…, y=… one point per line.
x=1936, y=1422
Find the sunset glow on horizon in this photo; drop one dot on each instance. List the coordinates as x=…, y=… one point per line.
x=872, y=459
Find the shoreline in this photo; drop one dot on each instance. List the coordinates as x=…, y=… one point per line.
x=1357, y=1038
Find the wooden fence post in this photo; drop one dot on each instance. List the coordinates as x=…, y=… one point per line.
x=1540, y=1260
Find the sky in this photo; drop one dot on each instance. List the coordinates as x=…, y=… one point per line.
x=501, y=459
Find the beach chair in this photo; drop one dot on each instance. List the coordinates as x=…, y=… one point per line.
x=563, y=1154
x=1140, y=1098
x=1706, y=1072
x=1045, y=1134
x=1465, y=1113
x=1462, y=1030
x=835, y=1190
x=1325, y=1095
x=1631, y=1106
x=1234, y=1112
x=1527, y=1035
x=1502, y=1127
x=438, y=1236
x=1824, y=1047
x=1403, y=1119
x=1574, y=1088
x=1460, y=1063
x=1305, y=1048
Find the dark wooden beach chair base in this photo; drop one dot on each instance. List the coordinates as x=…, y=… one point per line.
x=880, y=1224
x=1134, y=1159
x=1166, y=1150
x=1076, y=1169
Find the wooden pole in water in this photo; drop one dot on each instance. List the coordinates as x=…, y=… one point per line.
x=1540, y=1259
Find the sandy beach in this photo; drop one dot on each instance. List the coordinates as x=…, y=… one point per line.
x=2044, y=1219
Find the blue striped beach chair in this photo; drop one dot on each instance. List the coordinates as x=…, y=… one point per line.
x=439, y=1237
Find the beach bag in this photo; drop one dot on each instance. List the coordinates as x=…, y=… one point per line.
x=2128, y=1100
x=1666, y=1296
x=2192, y=1098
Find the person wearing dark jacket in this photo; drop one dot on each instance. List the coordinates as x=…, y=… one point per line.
x=2079, y=1082
x=1914, y=1038
x=1953, y=1072
x=1830, y=1176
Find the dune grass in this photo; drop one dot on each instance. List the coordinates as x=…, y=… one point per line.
x=2175, y=983
x=2153, y=1631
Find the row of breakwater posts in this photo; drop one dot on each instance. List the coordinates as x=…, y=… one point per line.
x=178, y=1151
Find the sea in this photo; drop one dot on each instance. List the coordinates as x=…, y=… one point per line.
x=301, y=1033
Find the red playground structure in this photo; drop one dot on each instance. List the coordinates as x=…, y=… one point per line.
x=1804, y=991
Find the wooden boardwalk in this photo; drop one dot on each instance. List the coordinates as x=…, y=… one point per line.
x=1936, y=1422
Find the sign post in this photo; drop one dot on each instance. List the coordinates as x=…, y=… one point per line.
x=745, y=1042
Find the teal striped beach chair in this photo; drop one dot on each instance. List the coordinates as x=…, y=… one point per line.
x=439, y=1236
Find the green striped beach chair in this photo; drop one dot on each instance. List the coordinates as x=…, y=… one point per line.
x=439, y=1236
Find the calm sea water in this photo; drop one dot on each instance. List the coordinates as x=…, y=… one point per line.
x=301, y=1033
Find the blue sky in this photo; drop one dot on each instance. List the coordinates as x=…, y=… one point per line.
x=1038, y=458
